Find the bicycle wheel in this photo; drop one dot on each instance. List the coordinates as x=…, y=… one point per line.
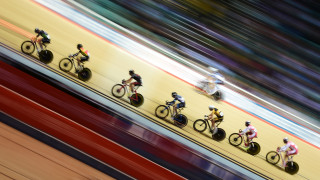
x=235, y=139
x=273, y=157
x=292, y=167
x=217, y=95
x=118, y=90
x=136, y=101
x=162, y=111
x=65, y=64
x=200, y=125
x=180, y=120
x=45, y=56
x=27, y=47
x=220, y=135
x=254, y=148
x=85, y=74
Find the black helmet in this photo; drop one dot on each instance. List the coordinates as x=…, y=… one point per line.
x=79, y=46
x=174, y=94
x=131, y=71
x=248, y=123
x=36, y=30
x=285, y=140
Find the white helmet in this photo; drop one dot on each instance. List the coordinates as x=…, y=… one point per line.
x=211, y=107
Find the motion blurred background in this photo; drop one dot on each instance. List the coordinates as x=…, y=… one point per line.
x=269, y=48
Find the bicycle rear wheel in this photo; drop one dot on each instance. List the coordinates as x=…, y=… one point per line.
x=180, y=120
x=292, y=167
x=65, y=64
x=45, y=56
x=162, y=111
x=200, y=125
x=27, y=47
x=273, y=157
x=85, y=74
x=254, y=148
x=220, y=135
x=235, y=139
x=118, y=90
x=136, y=101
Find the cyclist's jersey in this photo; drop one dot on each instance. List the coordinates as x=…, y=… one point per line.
x=43, y=34
x=250, y=130
x=137, y=78
x=179, y=98
x=289, y=145
x=219, y=114
x=219, y=79
x=84, y=52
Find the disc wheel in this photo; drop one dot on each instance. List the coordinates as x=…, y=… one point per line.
x=180, y=120
x=85, y=74
x=65, y=65
x=161, y=111
x=254, y=148
x=27, y=47
x=136, y=101
x=118, y=90
x=220, y=135
x=200, y=125
x=217, y=96
x=292, y=167
x=273, y=157
x=45, y=56
x=235, y=139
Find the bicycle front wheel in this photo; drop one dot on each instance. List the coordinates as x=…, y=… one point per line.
x=65, y=65
x=235, y=139
x=162, y=111
x=27, y=47
x=273, y=157
x=118, y=90
x=200, y=125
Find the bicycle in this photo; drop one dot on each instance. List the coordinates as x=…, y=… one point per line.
x=66, y=65
x=273, y=157
x=119, y=90
x=200, y=125
x=162, y=111
x=44, y=55
x=203, y=87
x=235, y=139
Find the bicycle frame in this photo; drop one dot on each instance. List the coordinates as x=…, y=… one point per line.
x=209, y=124
x=124, y=85
x=290, y=158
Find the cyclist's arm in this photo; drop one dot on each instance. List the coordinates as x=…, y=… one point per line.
x=284, y=148
x=245, y=131
x=129, y=80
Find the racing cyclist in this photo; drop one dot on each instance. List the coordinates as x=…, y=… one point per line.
x=82, y=56
x=290, y=148
x=218, y=118
x=138, y=81
x=179, y=105
x=45, y=37
x=251, y=132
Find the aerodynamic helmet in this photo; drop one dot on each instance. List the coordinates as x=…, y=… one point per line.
x=174, y=94
x=131, y=71
x=211, y=107
x=36, y=30
x=79, y=46
x=285, y=140
x=248, y=123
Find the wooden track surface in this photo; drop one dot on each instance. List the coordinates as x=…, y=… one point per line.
x=110, y=64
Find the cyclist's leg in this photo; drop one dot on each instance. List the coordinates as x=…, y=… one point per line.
x=213, y=125
x=39, y=41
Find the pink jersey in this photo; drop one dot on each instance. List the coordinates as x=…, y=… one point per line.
x=250, y=130
x=290, y=145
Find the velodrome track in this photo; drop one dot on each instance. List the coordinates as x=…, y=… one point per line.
x=110, y=64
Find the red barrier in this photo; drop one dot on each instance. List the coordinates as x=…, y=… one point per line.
x=80, y=137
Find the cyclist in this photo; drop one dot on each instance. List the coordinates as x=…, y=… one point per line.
x=85, y=55
x=45, y=37
x=218, y=118
x=138, y=81
x=213, y=79
x=177, y=106
x=290, y=148
x=251, y=132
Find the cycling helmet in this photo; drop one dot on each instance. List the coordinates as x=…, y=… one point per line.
x=79, y=46
x=211, y=107
x=131, y=71
x=36, y=30
x=248, y=123
x=285, y=140
x=174, y=94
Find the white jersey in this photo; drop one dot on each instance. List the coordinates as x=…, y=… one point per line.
x=249, y=129
x=179, y=98
x=290, y=145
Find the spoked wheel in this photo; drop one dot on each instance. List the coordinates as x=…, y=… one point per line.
x=235, y=139
x=118, y=90
x=220, y=135
x=162, y=111
x=65, y=65
x=45, y=56
x=200, y=125
x=180, y=120
x=85, y=74
x=292, y=167
x=254, y=148
x=27, y=47
x=273, y=157
x=217, y=95
x=136, y=101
